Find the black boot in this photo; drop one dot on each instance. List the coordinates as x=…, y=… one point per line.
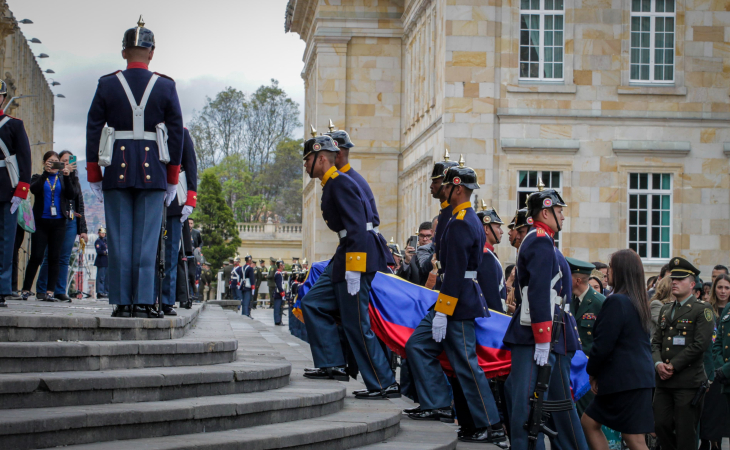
x=169, y=310
x=63, y=298
x=2, y=302
x=122, y=311
x=146, y=312
x=392, y=391
x=445, y=415
x=491, y=435
x=412, y=410
x=328, y=373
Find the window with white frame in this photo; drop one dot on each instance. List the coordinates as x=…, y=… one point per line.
x=650, y=214
x=652, y=41
x=541, y=39
x=527, y=184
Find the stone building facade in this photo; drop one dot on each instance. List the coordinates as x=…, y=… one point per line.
x=622, y=105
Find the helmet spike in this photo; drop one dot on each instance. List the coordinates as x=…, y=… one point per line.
x=446, y=153
x=312, y=131
x=484, y=205
x=392, y=240
x=332, y=126
x=540, y=185
x=461, y=161
x=140, y=22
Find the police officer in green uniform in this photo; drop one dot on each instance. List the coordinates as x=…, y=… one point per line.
x=270, y=282
x=585, y=307
x=227, y=270
x=258, y=275
x=678, y=346
x=721, y=353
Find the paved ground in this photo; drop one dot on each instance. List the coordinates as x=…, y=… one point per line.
x=78, y=308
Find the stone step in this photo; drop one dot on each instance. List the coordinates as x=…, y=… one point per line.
x=359, y=423
x=421, y=435
x=52, y=427
x=86, y=320
x=24, y=357
x=232, y=305
x=55, y=389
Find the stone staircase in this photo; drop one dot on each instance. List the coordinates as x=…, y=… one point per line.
x=207, y=379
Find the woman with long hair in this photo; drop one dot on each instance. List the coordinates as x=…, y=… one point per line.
x=662, y=295
x=715, y=420
x=620, y=365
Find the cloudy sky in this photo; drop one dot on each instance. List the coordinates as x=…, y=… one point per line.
x=204, y=45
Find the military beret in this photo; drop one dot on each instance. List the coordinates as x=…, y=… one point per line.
x=578, y=266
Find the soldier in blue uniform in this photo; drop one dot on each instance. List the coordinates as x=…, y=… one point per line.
x=450, y=326
x=346, y=281
x=101, y=262
x=490, y=273
x=280, y=292
x=438, y=192
x=248, y=282
x=177, y=213
x=136, y=106
x=15, y=160
x=518, y=227
x=543, y=279
x=236, y=280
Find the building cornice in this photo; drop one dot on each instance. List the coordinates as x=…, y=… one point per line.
x=413, y=12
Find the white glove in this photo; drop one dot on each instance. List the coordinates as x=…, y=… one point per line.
x=438, y=327
x=14, y=203
x=542, y=351
x=170, y=194
x=96, y=189
x=187, y=210
x=353, y=282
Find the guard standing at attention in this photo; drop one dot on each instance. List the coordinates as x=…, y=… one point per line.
x=542, y=281
x=15, y=167
x=438, y=192
x=518, y=227
x=227, y=271
x=490, y=273
x=450, y=326
x=259, y=274
x=248, y=285
x=678, y=346
x=270, y=282
x=101, y=262
x=344, y=286
x=280, y=292
x=131, y=111
x=585, y=307
x=236, y=279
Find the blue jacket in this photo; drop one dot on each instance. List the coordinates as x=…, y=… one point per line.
x=279, y=279
x=135, y=164
x=102, y=252
x=190, y=166
x=248, y=275
x=491, y=281
x=621, y=357
x=14, y=136
x=237, y=277
x=345, y=208
x=462, y=247
x=538, y=264
x=443, y=220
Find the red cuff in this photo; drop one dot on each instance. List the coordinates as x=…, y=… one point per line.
x=22, y=190
x=542, y=332
x=192, y=199
x=93, y=172
x=173, y=173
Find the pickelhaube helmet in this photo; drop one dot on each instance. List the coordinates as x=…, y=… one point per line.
x=440, y=168
x=237, y=259
x=139, y=36
x=101, y=230
x=488, y=215
x=520, y=220
x=461, y=176
x=318, y=144
x=279, y=262
x=304, y=261
x=3, y=87
x=248, y=258
x=543, y=199
x=341, y=138
x=395, y=248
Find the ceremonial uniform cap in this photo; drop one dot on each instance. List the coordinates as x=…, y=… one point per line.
x=395, y=248
x=230, y=259
x=543, y=199
x=578, y=266
x=341, y=138
x=248, y=258
x=440, y=168
x=139, y=36
x=488, y=215
x=318, y=144
x=261, y=261
x=237, y=259
x=681, y=268
x=101, y=230
x=305, y=261
x=520, y=219
x=3, y=88
x=272, y=259
x=279, y=262
x=461, y=176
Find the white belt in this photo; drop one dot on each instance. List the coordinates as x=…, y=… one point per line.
x=148, y=135
x=2, y=163
x=369, y=226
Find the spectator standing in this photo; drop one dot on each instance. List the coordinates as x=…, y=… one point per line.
x=596, y=283
x=717, y=270
x=53, y=190
x=75, y=226
x=101, y=263
x=206, y=279
x=603, y=268
x=620, y=363
x=662, y=295
x=270, y=282
x=662, y=273
x=721, y=354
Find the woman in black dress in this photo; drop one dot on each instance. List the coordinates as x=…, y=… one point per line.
x=620, y=366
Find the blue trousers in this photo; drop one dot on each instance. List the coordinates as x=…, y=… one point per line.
x=237, y=295
x=133, y=220
x=68, y=244
x=321, y=305
x=245, y=301
x=173, y=230
x=428, y=376
x=277, y=301
x=101, y=281
x=8, y=224
x=520, y=386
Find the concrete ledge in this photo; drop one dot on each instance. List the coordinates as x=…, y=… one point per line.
x=652, y=90
x=652, y=148
x=543, y=88
x=226, y=304
x=515, y=145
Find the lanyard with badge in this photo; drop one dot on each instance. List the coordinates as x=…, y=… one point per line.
x=54, y=211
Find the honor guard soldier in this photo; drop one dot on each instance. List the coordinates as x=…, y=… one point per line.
x=438, y=192
x=678, y=347
x=131, y=112
x=585, y=307
x=236, y=279
x=721, y=353
x=177, y=213
x=101, y=262
x=270, y=283
x=518, y=227
x=295, y=266
x=15, y=167
x=280, y=292
x=542, y=280
x=490, y=274
x=450, y=326
x=248, y=285
x=227, y=272
x=344, y=286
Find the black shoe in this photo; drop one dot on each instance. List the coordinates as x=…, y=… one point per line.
x=328, y=373
x=146, y=312
x=122, y=311
x=2, y=302
x=445, y=415
x=411, y=410
x=40, y=296
x=101, y=295
x=24, y=295
x=49, y=298
x=465, y=431
x=392, y=391
x=169, y=310
x=490, y=435
x=63, y=298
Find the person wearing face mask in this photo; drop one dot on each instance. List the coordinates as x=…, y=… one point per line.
x=53, y=190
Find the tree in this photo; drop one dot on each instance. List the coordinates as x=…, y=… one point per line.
x=283, y=181
x=215, y=219
x=239, y=188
